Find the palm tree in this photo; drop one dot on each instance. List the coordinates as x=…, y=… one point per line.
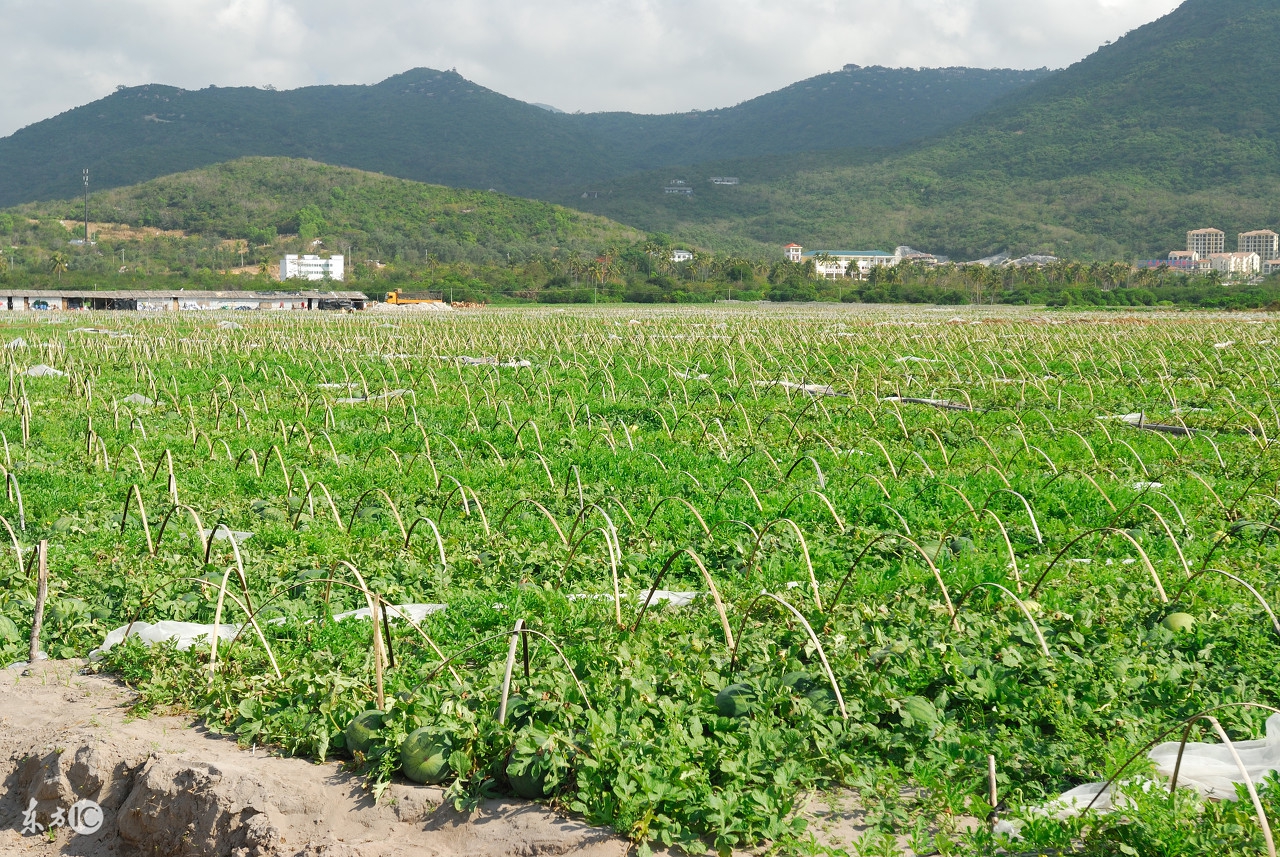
x=575, y=265
x=823, y=263
x=652, y=250
x=598, y=270
x=704, y=264
x=58, y=264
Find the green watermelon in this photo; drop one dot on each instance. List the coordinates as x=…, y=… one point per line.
x=736, y=700
x=363, y=730
x=1179, y=622
x=528, y=784
x=424, y=757
x=931, y=549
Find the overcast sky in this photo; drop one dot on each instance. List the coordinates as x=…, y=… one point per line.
x=652, y=56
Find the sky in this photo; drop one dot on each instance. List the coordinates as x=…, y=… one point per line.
x=646, y=56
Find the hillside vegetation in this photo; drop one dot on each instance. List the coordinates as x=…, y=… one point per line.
x=855, y=108
x=260, y=199
x=1172, y=127
x=438, y=127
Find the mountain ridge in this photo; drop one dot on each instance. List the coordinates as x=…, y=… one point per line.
x=1171, y=127
x=441, y=128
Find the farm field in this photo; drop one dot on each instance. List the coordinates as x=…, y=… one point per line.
x=680, y=573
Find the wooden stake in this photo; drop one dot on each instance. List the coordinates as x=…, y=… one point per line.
x=993, y=796
x=42, y=592
x=516, y=636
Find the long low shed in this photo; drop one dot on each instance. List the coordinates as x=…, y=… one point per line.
x=177, y=301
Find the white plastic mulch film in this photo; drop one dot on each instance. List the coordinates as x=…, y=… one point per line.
x=1211, y=769
x=188, y=634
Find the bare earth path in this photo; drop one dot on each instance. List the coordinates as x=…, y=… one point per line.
x=168, y=789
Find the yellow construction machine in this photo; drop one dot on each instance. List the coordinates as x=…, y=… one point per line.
x=400, y=300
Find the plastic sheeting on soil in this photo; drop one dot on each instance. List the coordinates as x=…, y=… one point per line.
x=188, y=634
x=415, y=612
x=1210, y=769
x=222, y=534
x=811, y=389
x=138, y=399
x=42, y=371
x=378, y=397
x=489, y=361
x=933, y=403
x=660, y=596
x=185, y=634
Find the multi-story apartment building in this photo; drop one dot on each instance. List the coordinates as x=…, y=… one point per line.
x=312, y=268
x=1206, y=242
x=1264, y=242
x=1236, y=264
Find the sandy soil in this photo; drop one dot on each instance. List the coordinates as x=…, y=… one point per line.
x=169, y=789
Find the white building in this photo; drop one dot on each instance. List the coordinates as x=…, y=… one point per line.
x=678, y=256
x=1236, y=264
x=1264, y=242
x=294, y=267
x=1207, y=242
x=852, y=263
x=1271, y=266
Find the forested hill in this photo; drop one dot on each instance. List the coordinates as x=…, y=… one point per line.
x=855, y=108
x=423, y=125
x=1175, y=126
x=438, y=127
x=258, y=199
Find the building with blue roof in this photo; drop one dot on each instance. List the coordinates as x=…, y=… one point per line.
x=842, y=260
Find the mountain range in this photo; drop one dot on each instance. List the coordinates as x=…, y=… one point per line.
x=438, y=127
x=1173, y=126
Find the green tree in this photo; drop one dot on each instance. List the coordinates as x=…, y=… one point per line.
x=823, y=262
x=58, y=264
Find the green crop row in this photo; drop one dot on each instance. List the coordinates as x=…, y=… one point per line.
x=916, y=541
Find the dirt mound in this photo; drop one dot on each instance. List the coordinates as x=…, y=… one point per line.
x=169, y=790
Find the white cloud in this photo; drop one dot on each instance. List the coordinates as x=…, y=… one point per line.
x=641, y=55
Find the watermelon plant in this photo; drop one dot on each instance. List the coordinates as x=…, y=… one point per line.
x=680, y=573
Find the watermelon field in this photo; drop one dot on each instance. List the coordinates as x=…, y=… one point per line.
x=684, y=574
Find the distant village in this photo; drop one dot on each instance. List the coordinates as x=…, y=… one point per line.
x=1257, y=255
